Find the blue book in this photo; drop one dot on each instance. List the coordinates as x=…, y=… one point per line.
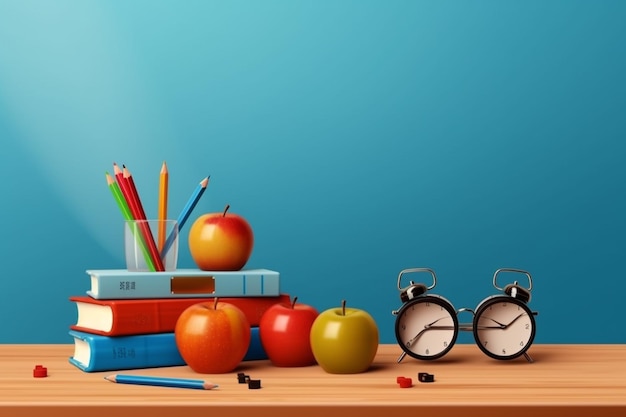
x=95, y=353
x=182, y=283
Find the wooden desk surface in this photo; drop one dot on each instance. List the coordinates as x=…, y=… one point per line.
x=562, y=380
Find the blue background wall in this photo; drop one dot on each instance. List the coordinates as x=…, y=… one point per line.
x=359, y=138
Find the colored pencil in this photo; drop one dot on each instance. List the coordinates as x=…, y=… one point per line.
x=130, y=197
x=119, y=198
x=123, y=185
x=140, y=214
x=161, y=381
x=184, y=214
x=123, y=205
x=134, y=195
x=163, y=186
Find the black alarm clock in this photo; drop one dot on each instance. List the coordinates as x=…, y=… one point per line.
x=426, y=325
x=504, y=326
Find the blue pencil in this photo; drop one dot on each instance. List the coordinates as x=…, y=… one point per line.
x=184, y=214
x=157, y=381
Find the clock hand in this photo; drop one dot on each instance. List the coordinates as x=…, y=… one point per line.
x=515, y=319
x=426, y=327
x=500, y=325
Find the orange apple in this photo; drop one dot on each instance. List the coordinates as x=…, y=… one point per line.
x=212, y=337
x=221, y=241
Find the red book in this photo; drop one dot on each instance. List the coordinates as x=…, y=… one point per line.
x=156, y=315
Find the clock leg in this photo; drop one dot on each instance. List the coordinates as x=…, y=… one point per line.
x=528, y=358
x=401, y=357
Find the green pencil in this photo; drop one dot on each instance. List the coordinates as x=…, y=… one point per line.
x=123, y=205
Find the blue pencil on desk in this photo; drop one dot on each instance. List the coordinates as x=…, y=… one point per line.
x=184, y=214
x=157, y=381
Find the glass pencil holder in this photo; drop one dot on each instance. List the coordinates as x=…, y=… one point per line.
x=151, y=245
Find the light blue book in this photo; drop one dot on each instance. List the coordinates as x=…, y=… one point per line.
x=182, y=283
x=95, y=353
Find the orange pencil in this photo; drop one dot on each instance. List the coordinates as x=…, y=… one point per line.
x=140, y=214
x=163, y=185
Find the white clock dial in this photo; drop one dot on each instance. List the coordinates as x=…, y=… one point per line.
x=504, y=328
x=427, y=327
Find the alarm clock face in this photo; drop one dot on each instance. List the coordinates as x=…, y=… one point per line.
x=504, y=327
x=427, y=327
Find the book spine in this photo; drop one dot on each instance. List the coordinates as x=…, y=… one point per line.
x=160, y=316
x=255, y=350
x=108, y=353
x=158, y=285
x=126, y=352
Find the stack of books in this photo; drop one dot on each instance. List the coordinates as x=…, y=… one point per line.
x=127, y=319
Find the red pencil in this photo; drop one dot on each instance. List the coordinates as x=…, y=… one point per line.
x=126, y=192
x=124, y=188
x=129, y=196
x=141, y=215
x=133, y=192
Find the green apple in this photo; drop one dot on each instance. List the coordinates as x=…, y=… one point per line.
x=344, y=340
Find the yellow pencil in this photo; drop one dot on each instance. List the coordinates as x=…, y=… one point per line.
x=163, y=185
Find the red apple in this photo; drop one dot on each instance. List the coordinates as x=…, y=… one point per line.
x=285, y=330
x=212, y=337
x=221, y=241
x=344, y=340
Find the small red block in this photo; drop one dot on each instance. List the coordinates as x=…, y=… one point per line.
x=404, y=382
x=40, y=371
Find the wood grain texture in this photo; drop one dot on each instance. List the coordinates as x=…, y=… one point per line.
x=563, y=379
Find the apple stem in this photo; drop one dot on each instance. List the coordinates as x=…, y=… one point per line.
x=226, y=209
x=293, y=303
x=215, y=303
x=343, y=307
